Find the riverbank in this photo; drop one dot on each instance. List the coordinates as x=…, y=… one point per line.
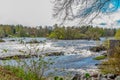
x=96, y=76
x=17, y=73
x=7, y=75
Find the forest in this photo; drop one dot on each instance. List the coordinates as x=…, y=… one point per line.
x=57, y=32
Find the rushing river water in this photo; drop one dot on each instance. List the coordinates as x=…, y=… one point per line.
x=76, y=59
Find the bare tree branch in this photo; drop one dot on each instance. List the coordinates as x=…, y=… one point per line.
x=85, y=10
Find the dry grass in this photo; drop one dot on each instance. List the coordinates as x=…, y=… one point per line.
x=7, y=75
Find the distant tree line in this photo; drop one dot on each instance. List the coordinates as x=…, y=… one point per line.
x=24, y=31
x=83, y=32
x=56, y=32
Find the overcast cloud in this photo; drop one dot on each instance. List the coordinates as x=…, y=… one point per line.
x=26, y=12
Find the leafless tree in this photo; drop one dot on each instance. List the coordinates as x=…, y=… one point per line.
x=85, y=10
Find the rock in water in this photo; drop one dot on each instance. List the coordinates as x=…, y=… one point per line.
x=77, y=77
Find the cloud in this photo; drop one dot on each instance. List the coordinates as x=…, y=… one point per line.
x=110, y=20
x=26, y=12
x=111, y=6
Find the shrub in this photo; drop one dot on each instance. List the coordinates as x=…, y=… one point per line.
x=33, y=68
x=87, y=75
x=58, y=78
x=19, y=72
x=38, y=65
x=112, y=65
x=6, y=74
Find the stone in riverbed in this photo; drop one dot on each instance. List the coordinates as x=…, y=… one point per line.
x=112, y=76
x=2, y=40
x=12, y=40
x=55, y=54
x=96, y=76
x=33, y=41
x=98, y=49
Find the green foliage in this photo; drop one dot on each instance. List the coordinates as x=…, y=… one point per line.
x=112, y=65
x=38, y=65
x=100, y=57
x=5, y=74
x=53, y=35
x=84, y=32
x=94, y=33
x=57, y=32
x=58, y=78
x=32, y=68
x=19, y=72
x=87, y=75
x=117, y=35
x=66, y=33
x=23, y=31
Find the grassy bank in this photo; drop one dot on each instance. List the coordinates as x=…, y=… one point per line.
x=8, y=75
x=17, y=73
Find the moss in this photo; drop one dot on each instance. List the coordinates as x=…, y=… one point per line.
x=100, y=57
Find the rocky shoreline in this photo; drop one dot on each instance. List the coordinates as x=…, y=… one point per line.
x=31, y=55
x=96, y=76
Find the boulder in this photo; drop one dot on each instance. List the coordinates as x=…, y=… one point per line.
x=98, y=49
x=111, y=76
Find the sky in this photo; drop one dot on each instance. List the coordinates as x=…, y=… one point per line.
x=26, y=12
x=39, y=12
x=110, y=20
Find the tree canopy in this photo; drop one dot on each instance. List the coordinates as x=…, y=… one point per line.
x=56, y=32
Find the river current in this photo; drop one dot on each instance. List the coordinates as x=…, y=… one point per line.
x=77, y=57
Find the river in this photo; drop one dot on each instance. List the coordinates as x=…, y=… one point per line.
x=76, y=59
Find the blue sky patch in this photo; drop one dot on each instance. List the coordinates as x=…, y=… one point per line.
x=118, y=22
x=111, y=6
x=108, y=7
x=103, y=24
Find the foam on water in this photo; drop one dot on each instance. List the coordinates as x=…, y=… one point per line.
x=77, y=56
x=69, y=47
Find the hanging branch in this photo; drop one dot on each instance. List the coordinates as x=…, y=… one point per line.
x=85, y=10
